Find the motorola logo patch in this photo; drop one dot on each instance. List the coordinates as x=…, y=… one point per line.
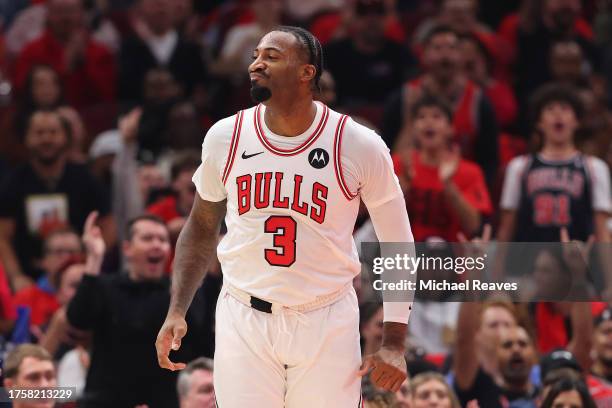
x=318, y=158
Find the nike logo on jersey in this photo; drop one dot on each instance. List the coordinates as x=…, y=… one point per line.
x=248, y=156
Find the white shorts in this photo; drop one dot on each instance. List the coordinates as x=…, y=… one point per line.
x=291, y=360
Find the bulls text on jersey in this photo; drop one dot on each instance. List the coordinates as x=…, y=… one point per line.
x=255, y=191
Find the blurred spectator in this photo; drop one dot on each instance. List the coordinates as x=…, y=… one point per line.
x=462, y=17
x=124, y=312
x=86, y=68
x=568, y=393
x=102, y=152
x=602, y=346
x=367, y=66
x=174, y=209
x=334, y=24
x=29, y=366
x=47, y=193
x=371, y=326
x=59, y=247
x=157, y=44
x=60, y=339
x=303, y=11
x=515, y=357
x=403, y=397
x=176, y=127
x=495, y=317
x=444, y=193
x=561, y=365
x=195, y=385
x=473, y=117
x=536, y=31
x=240, y=41
x=43, y=90
x=567, y=64
x=431, y=390
x=8, y=311
x=27, y=25
x=557, y=186
x=478, y=64
x=328, y=94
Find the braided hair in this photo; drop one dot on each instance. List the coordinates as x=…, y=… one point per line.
x=311, y=45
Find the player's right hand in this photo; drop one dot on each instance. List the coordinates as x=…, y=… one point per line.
x=169, y=338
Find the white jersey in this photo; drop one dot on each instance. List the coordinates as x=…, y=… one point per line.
x=292, y=202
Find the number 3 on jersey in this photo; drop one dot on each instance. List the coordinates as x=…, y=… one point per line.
x=284, y=228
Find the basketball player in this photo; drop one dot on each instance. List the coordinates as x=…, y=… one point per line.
x=288, y=176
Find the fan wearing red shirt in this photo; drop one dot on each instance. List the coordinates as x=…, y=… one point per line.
x=445, y=194
x=86, y=68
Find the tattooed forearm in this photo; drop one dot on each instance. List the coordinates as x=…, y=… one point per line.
x=195, y=252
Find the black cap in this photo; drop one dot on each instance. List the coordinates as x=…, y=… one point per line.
x=604, y=316
x=558, y=359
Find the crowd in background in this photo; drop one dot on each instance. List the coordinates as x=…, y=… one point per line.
x=497, y=114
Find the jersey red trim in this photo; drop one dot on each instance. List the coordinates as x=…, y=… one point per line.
x=289, y=152
x=233, y=146
x=337, y=162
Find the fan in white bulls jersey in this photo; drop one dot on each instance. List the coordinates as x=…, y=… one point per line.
x=288, y=176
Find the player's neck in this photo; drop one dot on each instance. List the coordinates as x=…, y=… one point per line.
x=291, y=118
x=555, y=151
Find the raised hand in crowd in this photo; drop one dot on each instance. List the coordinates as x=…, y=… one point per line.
x=128, y=125
x=449, y=164
x=94, y=244
x=576, y=255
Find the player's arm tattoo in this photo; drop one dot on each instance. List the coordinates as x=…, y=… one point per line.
x=195, y=251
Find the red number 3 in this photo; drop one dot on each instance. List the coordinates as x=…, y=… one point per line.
x=283, y=227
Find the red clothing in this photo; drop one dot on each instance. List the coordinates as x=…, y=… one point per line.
x=430, y=214
x=325, y=26
x=504, y=102
x=8, y=310
x=551, y=326
x=509, y=27
x=90, y=83
x=166, y=209
x=465, y=116
x=42, y=304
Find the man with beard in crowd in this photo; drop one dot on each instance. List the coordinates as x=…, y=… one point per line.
x=515, y=356
x=47, y=193
x=475, y=127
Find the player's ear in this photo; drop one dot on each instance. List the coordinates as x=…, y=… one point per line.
x=308, y=72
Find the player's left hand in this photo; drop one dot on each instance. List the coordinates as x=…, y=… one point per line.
x=169, y=337
x=388, y=368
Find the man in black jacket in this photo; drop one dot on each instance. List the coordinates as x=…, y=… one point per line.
x=124, y=313
x=157, y=44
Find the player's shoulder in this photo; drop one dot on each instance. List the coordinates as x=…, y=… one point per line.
x=222, y=131
x=360, y=137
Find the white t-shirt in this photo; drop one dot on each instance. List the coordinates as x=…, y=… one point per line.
x=304, y=191
x=598, y=171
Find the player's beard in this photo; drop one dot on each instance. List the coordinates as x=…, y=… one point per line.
x=260, y=93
